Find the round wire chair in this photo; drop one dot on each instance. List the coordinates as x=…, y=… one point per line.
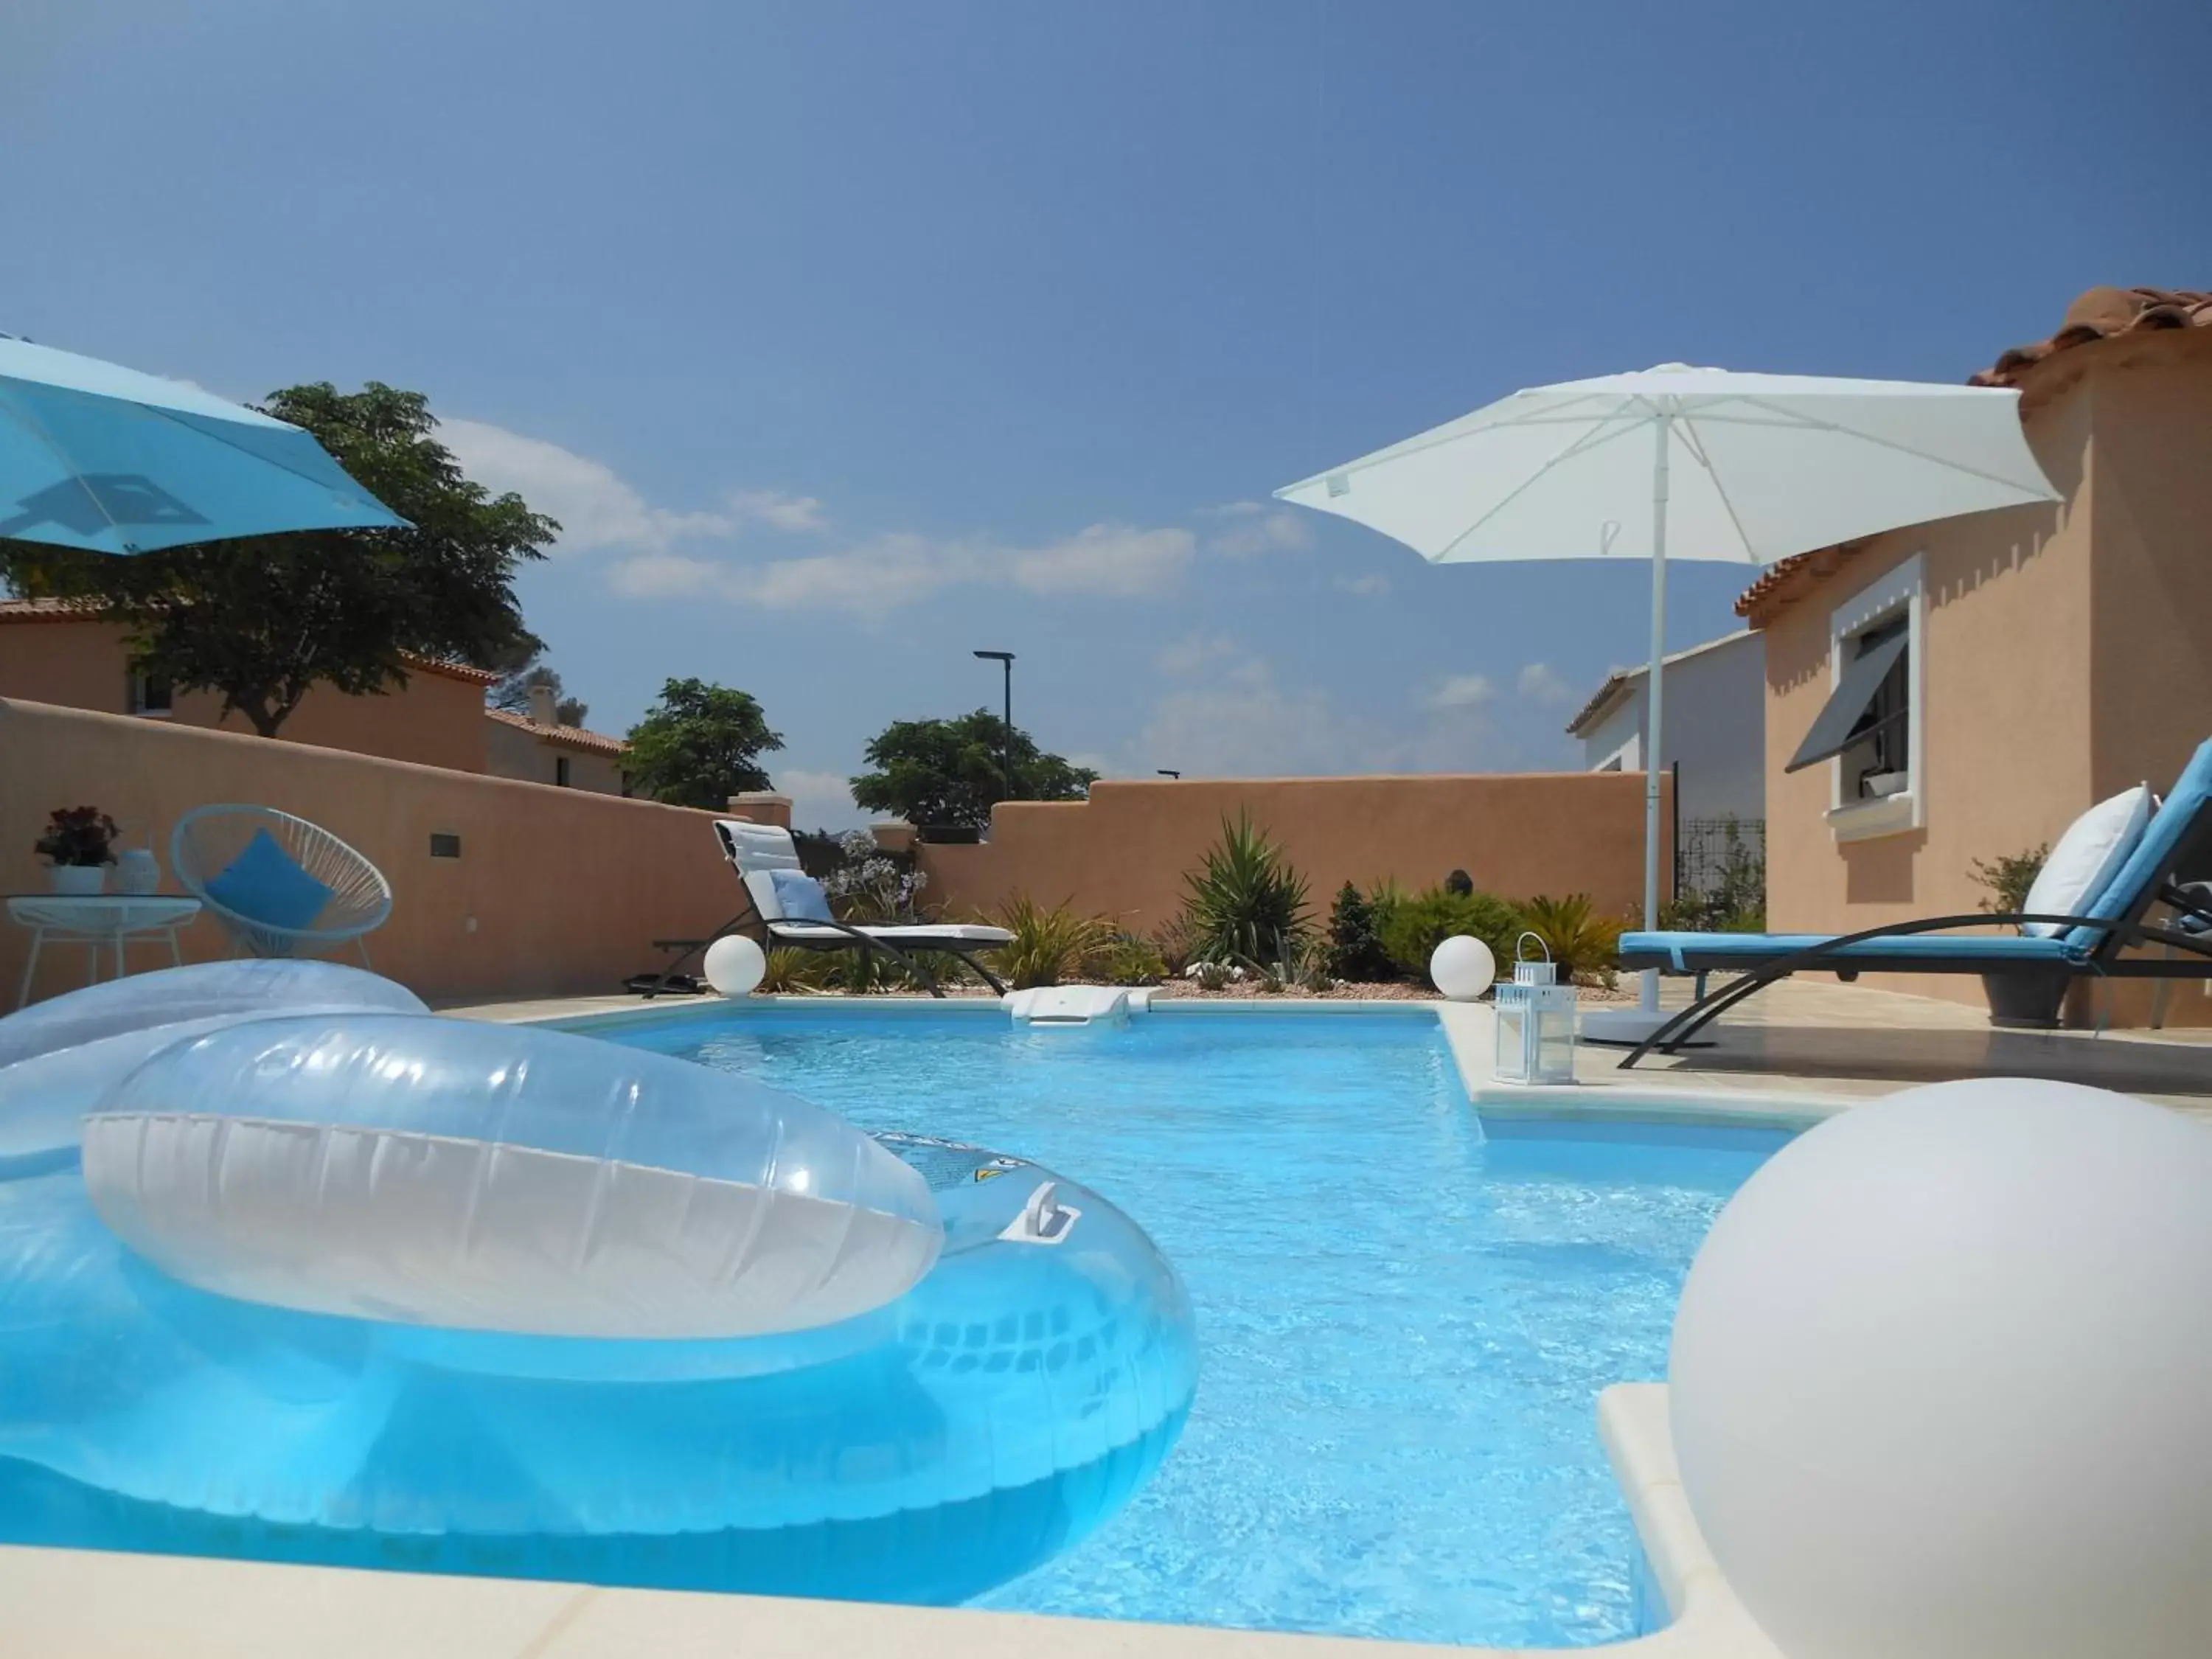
x=208, y=839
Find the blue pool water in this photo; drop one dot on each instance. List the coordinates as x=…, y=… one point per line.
x=1403, y=1325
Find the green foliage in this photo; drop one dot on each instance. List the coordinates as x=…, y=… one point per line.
x=1302, y=964
x=1355, y=945
x=1245, y=902
x=949, y=774
x=1211, y=975
x=1129, y=959
x=1412, y=928
x=2008, y=878
x=1178, y=941
x=263, y=619
x=1049, y=945
x=1735, y=903
x=78, y=837
x=700, y=744
x=1586, y=946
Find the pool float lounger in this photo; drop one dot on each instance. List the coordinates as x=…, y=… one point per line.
x=554, y=1368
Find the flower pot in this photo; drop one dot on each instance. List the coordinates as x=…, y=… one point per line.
x=137, y=872
x=80, y=880
x=2027, y=1001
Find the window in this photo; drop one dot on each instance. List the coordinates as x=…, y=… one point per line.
x=149, y=695
x=561, y=770
x=1870, y=730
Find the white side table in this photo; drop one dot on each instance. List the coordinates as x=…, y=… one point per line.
x=109, y=918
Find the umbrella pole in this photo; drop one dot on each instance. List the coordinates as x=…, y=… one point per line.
x=1647, y=997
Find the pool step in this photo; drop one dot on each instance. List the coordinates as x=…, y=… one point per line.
x=1076, y=1004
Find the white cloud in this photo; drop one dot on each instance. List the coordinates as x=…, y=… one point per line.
x=597, y=511
x=1460, y=691
x=780, y=510
x=877, y=576
x=1230, y=714
x=1366, y=587
x=1113, y=560
x=818, y=799
x=1246, y=529
x=1542, y=682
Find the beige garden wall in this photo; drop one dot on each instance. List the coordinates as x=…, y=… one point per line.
x=1124, y=853
x=555, y=891
x=2053, y=678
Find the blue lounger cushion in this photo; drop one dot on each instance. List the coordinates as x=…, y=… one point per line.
x=799, y=896
x=2191, y=797
x=1683, y=949
x=265, y=885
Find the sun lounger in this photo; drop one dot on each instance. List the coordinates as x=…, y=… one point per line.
x=791, y=908
x=2028, y=974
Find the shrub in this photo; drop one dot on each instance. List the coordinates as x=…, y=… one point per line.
x=1586, y=947
x=1048, y=944
x=1245, y=902
x=1177, y=942
x=1412, y=928
x=1355, y=946
x=2008, y=879
x=1301, y=965
x=1128, y=959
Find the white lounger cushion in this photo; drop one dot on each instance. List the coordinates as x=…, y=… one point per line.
x=2087, y=856
x=961, y=933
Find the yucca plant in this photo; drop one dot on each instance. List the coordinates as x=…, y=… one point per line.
x=1586, y=946
x=1245, y=902
x=1049, y=945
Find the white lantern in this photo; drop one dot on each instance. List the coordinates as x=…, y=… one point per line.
x=735, y=965
x=1536, y=1021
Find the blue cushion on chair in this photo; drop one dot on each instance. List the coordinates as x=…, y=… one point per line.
x=265, y=885
x=801, y=897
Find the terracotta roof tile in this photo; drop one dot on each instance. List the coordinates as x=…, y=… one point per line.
x=2102, y=314
x=561, y=737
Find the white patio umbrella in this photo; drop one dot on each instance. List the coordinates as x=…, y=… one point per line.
x=1698, y=463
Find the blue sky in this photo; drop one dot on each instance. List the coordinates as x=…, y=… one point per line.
x=847, y=337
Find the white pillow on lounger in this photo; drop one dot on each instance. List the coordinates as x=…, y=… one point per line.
x=2087, y=856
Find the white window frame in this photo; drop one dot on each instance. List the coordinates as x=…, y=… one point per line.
x=139, y=685
x=1902, y=590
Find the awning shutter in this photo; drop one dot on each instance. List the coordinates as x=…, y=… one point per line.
x=1838, y=726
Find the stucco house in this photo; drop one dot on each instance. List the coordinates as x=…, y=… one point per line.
x=53, y=652
x=2005, y=672
x=1715, y=735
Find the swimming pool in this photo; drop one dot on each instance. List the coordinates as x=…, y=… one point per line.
x=1404, y=1323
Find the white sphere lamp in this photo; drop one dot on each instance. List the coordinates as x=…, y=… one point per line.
x=1462, y=967
x=736, y=965
x=1942, y=1380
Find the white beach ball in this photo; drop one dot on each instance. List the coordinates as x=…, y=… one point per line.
x=1462, y=967
x=735, y=965
x=1942, y=1380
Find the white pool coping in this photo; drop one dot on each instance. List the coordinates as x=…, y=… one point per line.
x=92, y=1604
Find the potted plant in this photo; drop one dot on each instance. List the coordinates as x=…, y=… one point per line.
x=79, y=844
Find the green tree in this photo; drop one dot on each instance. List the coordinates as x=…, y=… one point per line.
x=263, y=619
x=700, y=744
x=951, y=773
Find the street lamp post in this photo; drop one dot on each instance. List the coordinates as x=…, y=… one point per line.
x=1005, y=660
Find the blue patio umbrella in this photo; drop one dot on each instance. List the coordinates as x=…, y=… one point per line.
x=96, y=456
